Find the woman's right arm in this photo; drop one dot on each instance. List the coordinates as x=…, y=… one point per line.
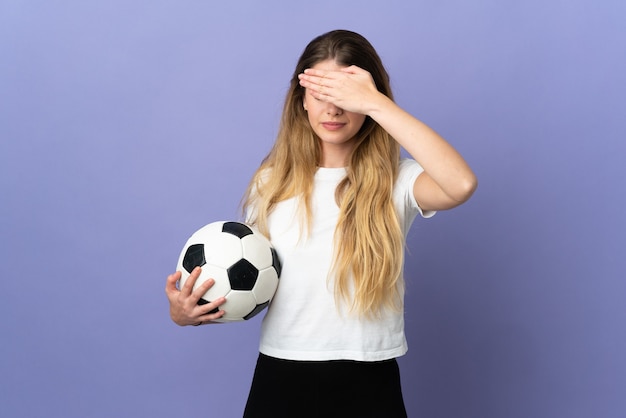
x=184, y=308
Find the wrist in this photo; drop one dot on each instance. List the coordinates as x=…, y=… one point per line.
x=379, y=106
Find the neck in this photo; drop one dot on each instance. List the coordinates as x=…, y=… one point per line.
x=335, y=156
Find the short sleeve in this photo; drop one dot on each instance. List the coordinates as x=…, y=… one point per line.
x=409, y=171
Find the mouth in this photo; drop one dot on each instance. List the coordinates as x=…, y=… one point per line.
x=333, y=126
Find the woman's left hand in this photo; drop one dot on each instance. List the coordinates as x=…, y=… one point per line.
x=351, y=88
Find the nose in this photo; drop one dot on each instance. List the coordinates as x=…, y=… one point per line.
x=333, y=110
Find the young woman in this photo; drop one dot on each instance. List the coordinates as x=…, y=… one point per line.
x=337, y=201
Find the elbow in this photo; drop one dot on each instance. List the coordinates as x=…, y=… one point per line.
x=465, y=188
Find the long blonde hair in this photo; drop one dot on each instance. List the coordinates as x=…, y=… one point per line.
x=369, y=244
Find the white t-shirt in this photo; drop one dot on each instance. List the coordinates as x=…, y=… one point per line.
x=303, y=321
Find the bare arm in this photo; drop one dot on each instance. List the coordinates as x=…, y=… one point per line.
x=447, y=180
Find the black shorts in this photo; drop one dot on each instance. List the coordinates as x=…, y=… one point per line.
x=337, y=388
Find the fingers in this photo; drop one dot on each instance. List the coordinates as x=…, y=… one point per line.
x=319, y=87
x=184, y=306
x=335, y=85
x=187, y=288
x=353, y=69
x=188, y=291
x=328, y=78
x=170, y=284
x=313, y=74
x=197, y=294
x=317, y=78
x=309, y=82
x=211, y=311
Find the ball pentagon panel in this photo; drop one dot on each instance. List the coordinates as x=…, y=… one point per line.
x=242, y=275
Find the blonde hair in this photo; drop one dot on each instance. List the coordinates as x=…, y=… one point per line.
x=369, y=244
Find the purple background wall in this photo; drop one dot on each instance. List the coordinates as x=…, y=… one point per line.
x=126, y=125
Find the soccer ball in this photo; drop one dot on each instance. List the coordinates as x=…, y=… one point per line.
x=242, y=262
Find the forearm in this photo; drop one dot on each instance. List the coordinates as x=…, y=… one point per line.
x=439, y=159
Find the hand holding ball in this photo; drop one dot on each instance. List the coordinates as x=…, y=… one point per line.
x=242, y=262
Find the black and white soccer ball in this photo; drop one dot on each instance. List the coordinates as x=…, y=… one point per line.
x=242, y=262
